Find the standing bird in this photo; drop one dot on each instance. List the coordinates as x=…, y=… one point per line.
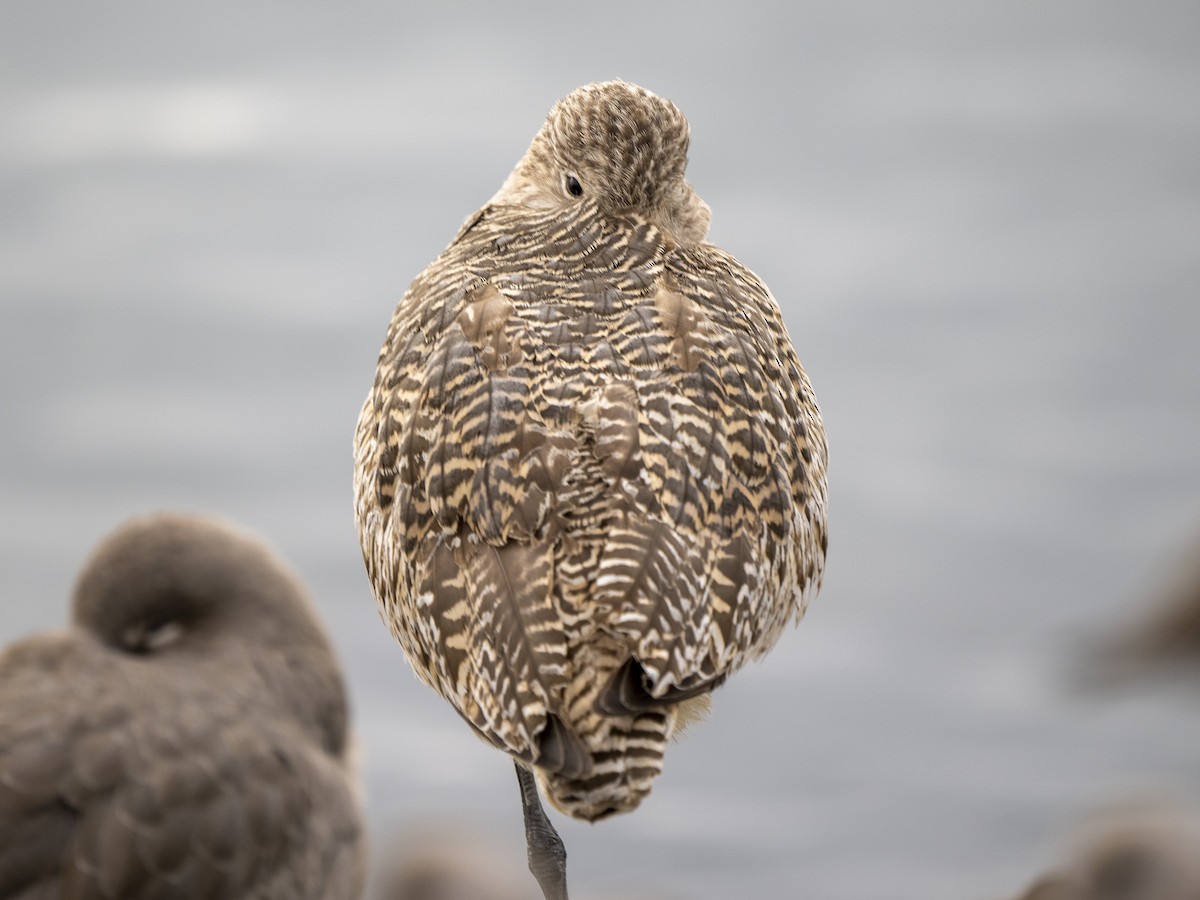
x=185, y=739
x=590, y=474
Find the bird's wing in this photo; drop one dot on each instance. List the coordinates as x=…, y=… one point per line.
x=729, y=438
x=453, y=453
x=35, y=826
x=107, y=792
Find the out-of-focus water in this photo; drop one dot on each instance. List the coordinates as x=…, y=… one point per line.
x=982, y=222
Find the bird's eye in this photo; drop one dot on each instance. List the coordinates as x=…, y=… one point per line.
x=574, y=188
x=148, y=637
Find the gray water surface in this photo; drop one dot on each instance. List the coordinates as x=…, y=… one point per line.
x=982, y=222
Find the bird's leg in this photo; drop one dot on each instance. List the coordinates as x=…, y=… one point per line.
x=547, y=855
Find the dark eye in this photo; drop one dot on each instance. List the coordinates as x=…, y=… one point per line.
x=574, y=188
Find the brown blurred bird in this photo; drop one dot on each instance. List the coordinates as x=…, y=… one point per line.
x=1137, y=854
x=590, y=474
x=1166, y=637
x=186, y=737
x=447, y=862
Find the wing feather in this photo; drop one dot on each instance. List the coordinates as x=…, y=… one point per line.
x=740, y=479
x=516, y=649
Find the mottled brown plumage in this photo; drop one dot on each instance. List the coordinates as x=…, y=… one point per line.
x=185, y=738
x=590, y=474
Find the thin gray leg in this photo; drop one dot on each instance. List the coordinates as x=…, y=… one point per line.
x=547, y=855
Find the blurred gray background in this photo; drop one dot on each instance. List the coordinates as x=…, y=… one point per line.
x=982, y=222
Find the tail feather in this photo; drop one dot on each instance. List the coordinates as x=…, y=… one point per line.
x=621, y=774
x=628, y=691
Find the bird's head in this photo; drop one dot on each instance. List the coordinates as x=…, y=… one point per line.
x=175, y=588
x=619, y=146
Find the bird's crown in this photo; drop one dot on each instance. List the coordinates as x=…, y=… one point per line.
x=621, y=142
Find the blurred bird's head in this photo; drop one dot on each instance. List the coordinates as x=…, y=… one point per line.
x=616, y=145
x=171, y=589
